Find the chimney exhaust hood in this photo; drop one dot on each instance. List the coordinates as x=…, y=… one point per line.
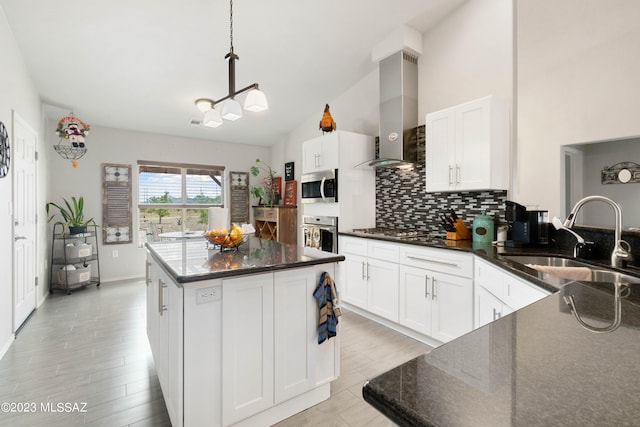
x=398, y=111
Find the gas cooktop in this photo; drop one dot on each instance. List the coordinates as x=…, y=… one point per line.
x=389, y=232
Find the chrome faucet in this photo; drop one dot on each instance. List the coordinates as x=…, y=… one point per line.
x=619, y=255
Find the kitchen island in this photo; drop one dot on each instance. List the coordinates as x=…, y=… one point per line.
x=234, y=333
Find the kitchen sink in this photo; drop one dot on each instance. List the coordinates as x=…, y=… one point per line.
x=571, y=269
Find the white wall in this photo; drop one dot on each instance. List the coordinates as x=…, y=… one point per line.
x=578, y=82
x=107, y=145
x=467, y=56
x=18, y=94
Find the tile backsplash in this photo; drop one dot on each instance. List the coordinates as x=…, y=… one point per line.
x=402, y=202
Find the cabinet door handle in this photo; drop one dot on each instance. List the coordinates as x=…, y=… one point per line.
x=433, y=261
x=147, y=273
x=433, y=288
x=363, y=276
x=368, y=271
x=426, y=286
x=161, y=305
x=496, y=314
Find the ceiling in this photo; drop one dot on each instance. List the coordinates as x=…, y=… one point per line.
x=140, y=65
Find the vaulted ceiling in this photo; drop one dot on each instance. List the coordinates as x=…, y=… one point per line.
x=140, y=65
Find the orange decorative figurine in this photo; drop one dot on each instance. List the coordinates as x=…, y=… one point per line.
x=326, y=123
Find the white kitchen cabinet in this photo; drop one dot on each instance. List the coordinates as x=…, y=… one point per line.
x=467, y=147
x=247, y=346
x=370, y=275
x=320, y=154
x=165, y=332
x=300, y=362
x=435, y=304
x=498, y=293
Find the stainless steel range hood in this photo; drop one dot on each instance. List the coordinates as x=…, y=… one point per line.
x=398, y=111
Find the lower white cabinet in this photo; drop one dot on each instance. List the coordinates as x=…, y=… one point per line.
x=165, y=332
x=498, y=293
x=242, y=350
x=370, y=279
x=436, y=304
x=247, y=346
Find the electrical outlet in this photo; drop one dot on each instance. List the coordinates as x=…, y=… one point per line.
x=206, y=295
x=114, y=253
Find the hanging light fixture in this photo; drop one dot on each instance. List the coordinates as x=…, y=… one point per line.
x=231, y=109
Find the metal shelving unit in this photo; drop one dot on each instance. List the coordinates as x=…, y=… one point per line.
x=77, y=250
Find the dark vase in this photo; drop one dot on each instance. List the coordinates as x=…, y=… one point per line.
x=79, y=229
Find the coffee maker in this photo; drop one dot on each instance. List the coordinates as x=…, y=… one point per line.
x=527, y=228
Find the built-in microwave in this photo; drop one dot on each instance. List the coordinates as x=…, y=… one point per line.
x=320, y=187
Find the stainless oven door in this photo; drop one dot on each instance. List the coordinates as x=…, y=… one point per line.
x=321, y=233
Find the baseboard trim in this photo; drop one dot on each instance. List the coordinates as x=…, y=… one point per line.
x=7, y=345
x=392, y=325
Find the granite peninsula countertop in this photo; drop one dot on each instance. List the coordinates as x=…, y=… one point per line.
x=191, y=260
x=537, y=366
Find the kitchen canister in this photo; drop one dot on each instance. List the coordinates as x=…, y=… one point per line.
x=483, y=228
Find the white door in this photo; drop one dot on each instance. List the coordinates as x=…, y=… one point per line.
x=453, y=306
x=473, y=145
x=415, y=299
x=440, y=151
x=383, y=288
x=24, y=220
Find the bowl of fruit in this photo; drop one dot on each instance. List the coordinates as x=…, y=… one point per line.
x=225, y=239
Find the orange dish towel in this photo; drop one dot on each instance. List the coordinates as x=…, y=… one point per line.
x=570, y=273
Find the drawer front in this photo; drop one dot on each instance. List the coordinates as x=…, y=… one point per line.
x=489, y=277
x=266, y=214
x=352, y=245
x=440, y=260
x=383, y=250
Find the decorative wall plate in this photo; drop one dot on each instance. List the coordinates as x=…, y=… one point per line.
x=621, y=173
x=5, y=151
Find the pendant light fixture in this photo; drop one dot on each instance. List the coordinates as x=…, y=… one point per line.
x=231, y=109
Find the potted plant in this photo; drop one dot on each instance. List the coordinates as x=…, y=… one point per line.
x=72, y=215
x=265, y=192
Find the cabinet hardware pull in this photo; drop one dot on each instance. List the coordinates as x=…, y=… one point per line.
x=368, y=271
x=496, y=314
x=457, y=174
x=363, y=276
x=426, y=286
x=451, y=264
x=148, y=273
x=433, y=288
x=161, y=306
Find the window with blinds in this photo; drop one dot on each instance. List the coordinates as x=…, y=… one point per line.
x=174, y=198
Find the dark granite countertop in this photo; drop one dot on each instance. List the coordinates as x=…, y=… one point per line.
x=536, y=366
x=191, y=260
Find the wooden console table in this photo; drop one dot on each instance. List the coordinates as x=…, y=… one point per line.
x=279, y=223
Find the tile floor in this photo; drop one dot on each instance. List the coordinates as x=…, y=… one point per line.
x=91, y=348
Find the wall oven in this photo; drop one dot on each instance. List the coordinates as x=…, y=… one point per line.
x=321, y=232
x=320, y=187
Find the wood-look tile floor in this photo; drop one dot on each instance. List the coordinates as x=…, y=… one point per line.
x=84, y=360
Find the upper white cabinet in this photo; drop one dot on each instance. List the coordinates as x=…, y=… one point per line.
x=467, y=147
x=320, y=154
x=336, y=150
